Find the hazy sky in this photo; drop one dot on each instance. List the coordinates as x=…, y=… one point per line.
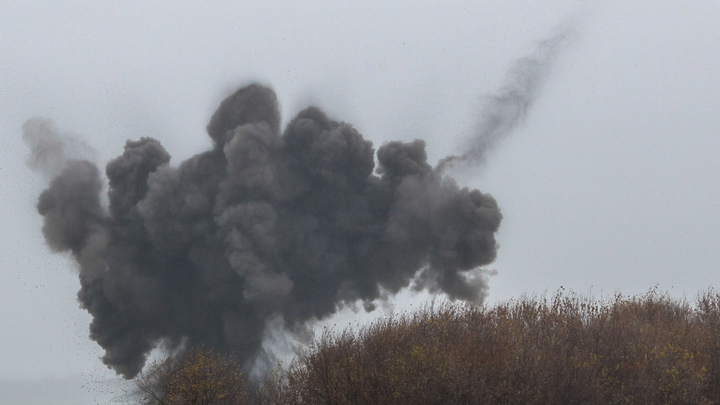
x=611, y=184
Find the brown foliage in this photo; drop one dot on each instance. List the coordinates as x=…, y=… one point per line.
x=648, y=349
x=194, y=377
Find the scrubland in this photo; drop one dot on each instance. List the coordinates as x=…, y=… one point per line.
x=563, y=349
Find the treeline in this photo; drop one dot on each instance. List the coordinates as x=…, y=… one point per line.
x=567, y=349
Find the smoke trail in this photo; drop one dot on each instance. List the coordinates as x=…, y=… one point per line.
x=262, y=225
x=509, y=105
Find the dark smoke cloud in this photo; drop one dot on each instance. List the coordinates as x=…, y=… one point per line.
x=509, y=105
x=264, y=224
x=268, y=225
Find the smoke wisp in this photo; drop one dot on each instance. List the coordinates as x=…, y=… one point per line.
x=505, y=109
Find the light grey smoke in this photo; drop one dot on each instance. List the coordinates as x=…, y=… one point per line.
x=50, y=150
x=509, y=105
x=263, y=225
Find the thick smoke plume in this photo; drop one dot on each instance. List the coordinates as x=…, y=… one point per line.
x=266, y=224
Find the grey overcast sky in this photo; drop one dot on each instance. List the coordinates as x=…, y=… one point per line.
x=610, y=185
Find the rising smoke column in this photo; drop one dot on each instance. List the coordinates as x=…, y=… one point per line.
x=267, y=224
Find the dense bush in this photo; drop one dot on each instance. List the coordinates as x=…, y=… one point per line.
x=193, y=377
x=648, y=349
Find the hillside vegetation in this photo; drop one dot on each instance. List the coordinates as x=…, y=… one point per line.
x=567, y=349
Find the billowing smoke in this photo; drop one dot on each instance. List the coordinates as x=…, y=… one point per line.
x=266, y=224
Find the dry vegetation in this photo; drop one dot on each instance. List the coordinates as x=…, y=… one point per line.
x=567, y=349
x=195, y=377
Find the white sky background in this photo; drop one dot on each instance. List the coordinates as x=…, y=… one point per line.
x=611, y=185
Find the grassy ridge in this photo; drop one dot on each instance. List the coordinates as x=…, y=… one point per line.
x=567, y=349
